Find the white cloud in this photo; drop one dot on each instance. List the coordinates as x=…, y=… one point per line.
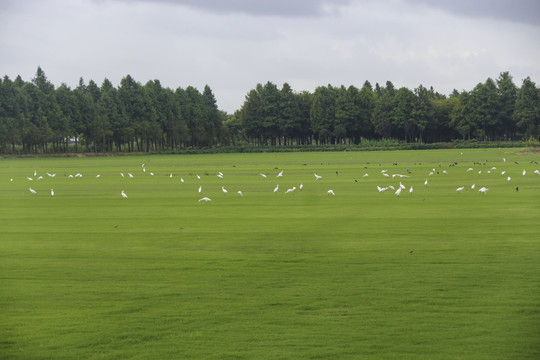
x=404, y=41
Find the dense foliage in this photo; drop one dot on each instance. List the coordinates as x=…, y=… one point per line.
x=36, y=117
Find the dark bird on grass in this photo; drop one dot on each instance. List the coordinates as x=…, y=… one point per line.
x=411, y=252
x=517, y=188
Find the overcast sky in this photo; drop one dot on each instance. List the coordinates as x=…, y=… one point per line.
x=232, y=45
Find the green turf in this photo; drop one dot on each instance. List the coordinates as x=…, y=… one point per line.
x=88, y=275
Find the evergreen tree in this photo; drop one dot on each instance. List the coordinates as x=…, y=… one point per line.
x=527, y=109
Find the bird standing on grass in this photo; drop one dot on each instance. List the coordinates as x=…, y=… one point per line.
x=124, y=194
x=331, y=192
x=32, y=191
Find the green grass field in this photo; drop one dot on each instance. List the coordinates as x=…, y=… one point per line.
x=87, y=274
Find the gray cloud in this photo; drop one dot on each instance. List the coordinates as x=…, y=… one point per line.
x=287, y=8
x=521, y=11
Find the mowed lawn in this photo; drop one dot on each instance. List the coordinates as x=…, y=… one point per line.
x=432, y=274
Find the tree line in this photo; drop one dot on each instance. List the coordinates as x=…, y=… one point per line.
x=36, y=117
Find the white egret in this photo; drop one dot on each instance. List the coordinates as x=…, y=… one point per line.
x=331, y=192
x=263, y=175
x=32, y=191
x=473, y=186
x=198, y=177
x=220, y=173
x=29, y=178
x=489, y=171
x=130, y=175
x=383, y=171
x=52, y=192
x=366, y=175
x=124, y=194
x=220, y=176
x=391, y=187
x=290, y=190
x=170, y=176
x=35, y=173
x=508, y=178
x=445, y=172
x=480, y=172
x=224, y=190
x=524, y=172
x=380, y=188
x=280, y=174
x=151, y=174
x=536, y=171
x=398, y=191
x=142, y=165
x=240, y=193
x=122, y=174
x=425, y=183
x=385, y=174
x=493, y=168
x=503, y=172
x=70, y=176
x=11, y=180
x=401, y=185
x=206, y=199
x=411, y=190
x=504, y=159
x=144, y=169
x=483, y=190
x=317, y=177
x=40, y=177
x=200, y=189
x=431, y=173
x=276, y=188
x=460, y=188
x=181, y=180
x=98, y=176
x=301, y=186
x=470, y=169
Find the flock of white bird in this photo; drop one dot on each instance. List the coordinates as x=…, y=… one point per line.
x=199, y=190
x=397, y=190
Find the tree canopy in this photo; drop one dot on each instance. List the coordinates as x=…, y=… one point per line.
x=37, y=117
